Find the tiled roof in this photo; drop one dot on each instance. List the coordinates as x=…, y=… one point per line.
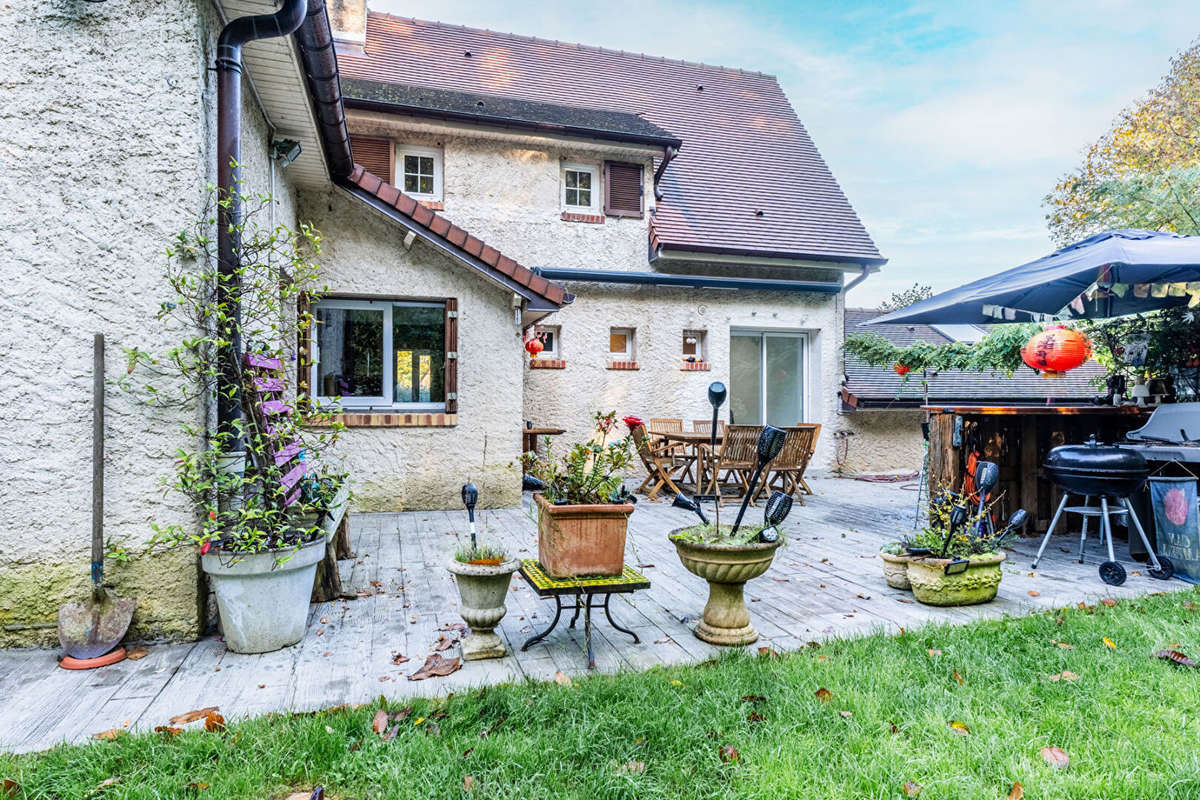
x=744, y=149
x=554, y=117
x=437, y=226
x=880, y=386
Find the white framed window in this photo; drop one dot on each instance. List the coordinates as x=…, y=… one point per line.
x=379, y=353
x=694, y=345
x=620, y=344
x=581, y=187
x=419, y=171
x=550, y=336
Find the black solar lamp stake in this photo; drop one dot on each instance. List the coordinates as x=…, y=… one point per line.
x=716, y=398
x=770, y=442
x=689, y=504
x=470, y=496
x=778, y=506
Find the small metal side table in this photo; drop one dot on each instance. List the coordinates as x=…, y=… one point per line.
x=543, y=585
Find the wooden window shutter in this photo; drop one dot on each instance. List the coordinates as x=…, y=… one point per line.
x=376, y=155
x=622, y=189
x=451, y=355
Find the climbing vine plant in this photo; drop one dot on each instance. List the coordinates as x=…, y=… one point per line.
x=999, y=351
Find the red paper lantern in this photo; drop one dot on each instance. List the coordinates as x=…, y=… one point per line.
x=901, y=369
x=534, y=346
x=1056, y=350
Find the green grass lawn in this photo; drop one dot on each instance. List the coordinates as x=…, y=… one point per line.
x=1130, y=724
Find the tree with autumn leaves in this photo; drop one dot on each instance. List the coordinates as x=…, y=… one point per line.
x=1144, y=172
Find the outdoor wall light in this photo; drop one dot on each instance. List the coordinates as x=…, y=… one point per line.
x=284, y=151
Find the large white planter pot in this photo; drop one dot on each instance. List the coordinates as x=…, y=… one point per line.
x=482, y=589
x=263, y=606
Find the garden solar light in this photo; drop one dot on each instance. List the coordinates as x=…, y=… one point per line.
x=770, y=442
x=716, y=398
x=688, y=504
x=1015, y=521
x=531, y=483
x=470, y=496
x=778, y=506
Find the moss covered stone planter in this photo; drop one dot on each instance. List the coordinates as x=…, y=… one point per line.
x=933, y=587
x=726, y=568
x=895, y=570
x=482, y=589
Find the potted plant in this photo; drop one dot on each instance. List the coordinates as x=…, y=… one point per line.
x=895, y=565
x=324, y=499
x=482, y=573
x=583, y=511
x=243, y=478
x=955, y=560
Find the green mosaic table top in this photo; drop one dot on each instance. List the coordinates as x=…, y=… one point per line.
x=630, y=580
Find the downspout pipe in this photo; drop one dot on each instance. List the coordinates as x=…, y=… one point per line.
x=668, y=155
x=862, y=276
x=229, y=209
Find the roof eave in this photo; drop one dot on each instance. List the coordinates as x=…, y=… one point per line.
x=692, y=251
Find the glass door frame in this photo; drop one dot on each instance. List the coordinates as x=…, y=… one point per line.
x=806, y=339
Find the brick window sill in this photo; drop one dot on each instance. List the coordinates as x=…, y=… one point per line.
x=594, y=219
x=694, y=366
x=398, y=419
x=623, y=365
x=547, y=363
x=433, y=205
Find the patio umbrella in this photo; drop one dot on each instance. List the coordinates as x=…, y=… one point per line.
x=1107, y=275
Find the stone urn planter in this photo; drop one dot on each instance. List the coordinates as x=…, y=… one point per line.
x=263, y=604
x=977, y=584
x=726, y=568
x=895, y=570
x=581, y=540
x=482, y=589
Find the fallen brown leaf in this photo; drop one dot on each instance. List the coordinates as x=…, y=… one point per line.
x=111, y=733
x=753, y=698
x=1108, y=601
x=912, y=789
x=1034, y=593
x=633, y=767
x=754, y=716
x=1055, y=757
x=1016, y=792
x=933, y=652
x=433, y=729
x=958, y=677
x=192, y=716
x=767, y=652
x=137, y=653
x=106, y=783
x=324, y=620
x=1175, y=657
x=379, y=722
x=436, y=666
x=894, y=728
x=468, y=783
x=391, y=732
x=214, y=722
x=399, y=659
x=823, y=694
x=729, y=753
x=401, y=715
x=167, y=730
x=562, y=678
x=958, y=727
x=846, y=714
x=443, y=643
x=9, y=788
x=1065, y=675
x=1064, y=645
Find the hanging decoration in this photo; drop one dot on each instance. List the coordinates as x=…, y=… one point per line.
x=534, y=346
x=1056, y=350
x=901, y=369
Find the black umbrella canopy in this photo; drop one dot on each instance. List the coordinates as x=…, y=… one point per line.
x=1107, y=275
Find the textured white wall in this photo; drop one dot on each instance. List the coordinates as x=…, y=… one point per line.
x=397, y=469
x=104, y=154
x=883, y=441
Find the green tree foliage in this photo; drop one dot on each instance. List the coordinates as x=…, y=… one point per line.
x=1144, y=172
x=898, y=300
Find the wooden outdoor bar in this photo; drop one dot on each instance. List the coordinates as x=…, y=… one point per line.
x=1017, y=438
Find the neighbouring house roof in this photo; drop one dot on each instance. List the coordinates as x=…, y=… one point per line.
x=427, y=101
x=744, y=149
x=880, y=387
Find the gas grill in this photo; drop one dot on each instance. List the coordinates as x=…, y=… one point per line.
x=1171, y=434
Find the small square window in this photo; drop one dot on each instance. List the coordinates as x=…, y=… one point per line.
x=549, y=336
x=581, y=188
x=419, y=171
x=693, y=345
x=620, y=344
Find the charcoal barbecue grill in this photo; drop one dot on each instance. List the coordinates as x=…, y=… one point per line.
x=1110, y=474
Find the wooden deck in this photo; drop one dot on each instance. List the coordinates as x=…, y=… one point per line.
x=826, y=582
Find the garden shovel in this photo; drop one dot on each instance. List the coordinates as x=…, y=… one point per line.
x=95, y=626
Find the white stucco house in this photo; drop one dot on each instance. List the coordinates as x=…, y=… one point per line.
x=661, y=224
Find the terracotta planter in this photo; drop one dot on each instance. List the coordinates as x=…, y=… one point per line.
x=726, y=568
x=574, y=541
x=482, y=589
x=933, y=587
x=895, y=570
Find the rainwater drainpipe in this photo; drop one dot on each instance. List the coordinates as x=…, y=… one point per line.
x=862, y=276
x=229, y=211
x=668, y=155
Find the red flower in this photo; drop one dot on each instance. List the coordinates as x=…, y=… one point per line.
x=212, y=515
x=633, y=422
x=204, y=548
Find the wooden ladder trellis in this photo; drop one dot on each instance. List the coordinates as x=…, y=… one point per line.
x=270, y=388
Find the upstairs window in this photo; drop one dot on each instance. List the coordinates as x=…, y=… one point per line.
x=549, y=337
x=693, y=345
x=581, y=188
x=622, y=189
x=419, y=171
x=620, y=344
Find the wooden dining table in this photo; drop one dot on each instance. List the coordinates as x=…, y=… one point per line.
x=700, y=445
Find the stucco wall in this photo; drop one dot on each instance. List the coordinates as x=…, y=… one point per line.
x=104, y=154
x=882, y=441
x=397, y=469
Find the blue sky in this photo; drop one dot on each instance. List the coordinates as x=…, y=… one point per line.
x=946, y=123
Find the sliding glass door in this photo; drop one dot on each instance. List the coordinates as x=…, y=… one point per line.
x=766, y=377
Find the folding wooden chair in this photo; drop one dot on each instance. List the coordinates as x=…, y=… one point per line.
x=680, y=457
x=815, y=427
x=785, y=471
x=736, y=458
x=705, y=426
x=660, y=467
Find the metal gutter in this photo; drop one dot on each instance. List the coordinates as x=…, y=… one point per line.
x=690, y=252
x=535, y=301
x=690, y=281
x=317, y=56
x=508, y=122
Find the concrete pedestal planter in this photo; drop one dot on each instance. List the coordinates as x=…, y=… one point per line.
x=263, y=605
x=978, y=584
x=895, y=570
x=582, y=540
x=482, y=589
x=726, y=568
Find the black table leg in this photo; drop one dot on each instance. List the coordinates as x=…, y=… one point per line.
x=553, y=624
x=613, y=622
x=575, y=616
x=587, y=629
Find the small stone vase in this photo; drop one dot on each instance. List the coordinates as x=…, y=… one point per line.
x=482, y=589
x=895, y=570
